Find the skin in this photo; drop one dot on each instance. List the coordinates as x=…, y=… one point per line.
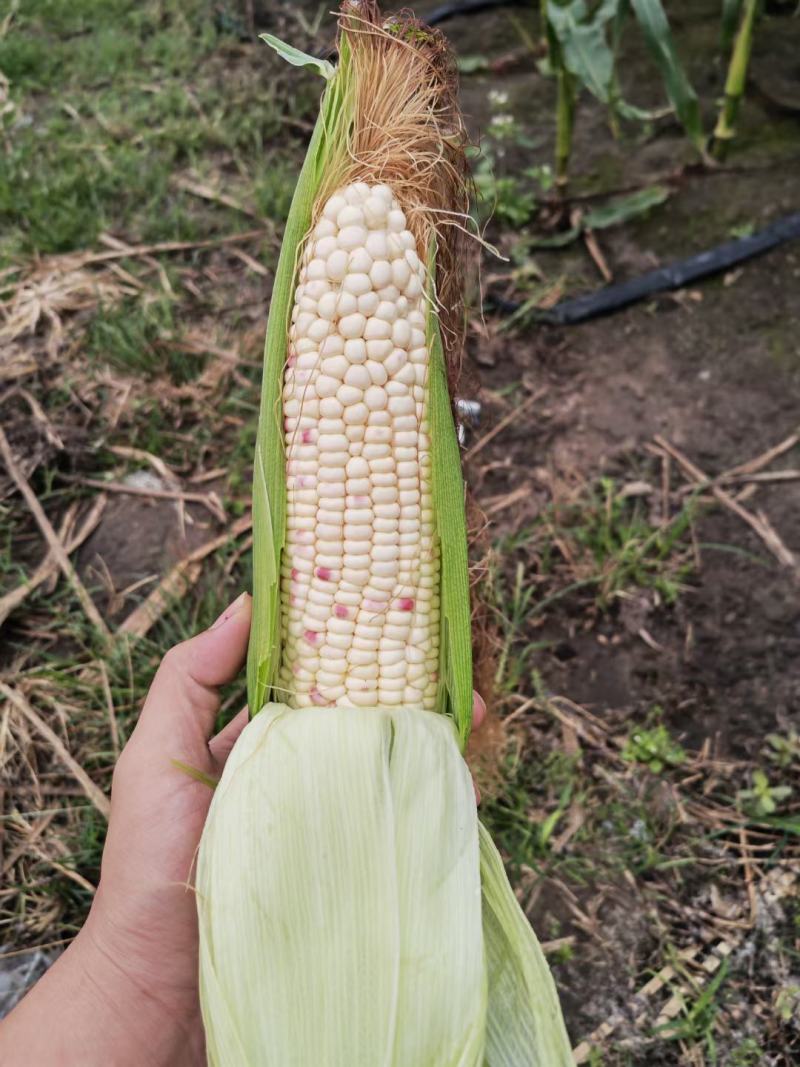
x=124, y=994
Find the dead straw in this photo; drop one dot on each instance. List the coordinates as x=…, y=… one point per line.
x=52, y=538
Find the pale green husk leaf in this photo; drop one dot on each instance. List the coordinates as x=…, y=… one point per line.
x=338, y=893
x=455, y=648
x=269, y=470
x=297, y=58
x=525, y=1027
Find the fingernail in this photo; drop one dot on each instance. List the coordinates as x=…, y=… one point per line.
x=231, y=610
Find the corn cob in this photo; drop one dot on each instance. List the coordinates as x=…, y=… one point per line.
x=361, y=567
x=352, y=914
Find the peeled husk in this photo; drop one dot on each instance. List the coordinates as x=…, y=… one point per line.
x=351, y=910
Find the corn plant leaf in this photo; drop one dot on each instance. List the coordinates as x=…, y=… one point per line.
x=524, y=1023
x=655, y=27
x=581, y=35
x=455, y=649
x=580, y=42
x=297, y=58
x=623, y=208
x=731, y=14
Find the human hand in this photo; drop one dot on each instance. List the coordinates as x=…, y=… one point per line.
x=126, y=990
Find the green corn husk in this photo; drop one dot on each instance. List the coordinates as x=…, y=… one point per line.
x=350, y=820
x=352, y=911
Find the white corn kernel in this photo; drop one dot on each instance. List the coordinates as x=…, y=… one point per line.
x=359, y=573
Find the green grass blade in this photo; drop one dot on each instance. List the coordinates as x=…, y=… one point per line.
x=455, y=652
x=682, y=96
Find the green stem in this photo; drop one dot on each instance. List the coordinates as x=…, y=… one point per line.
x=735, y=81
x=543, y=26
x=565, y=120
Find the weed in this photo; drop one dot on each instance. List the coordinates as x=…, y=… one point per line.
x=653, y=747
x=134, y=336
x=511, y=198
x=699, y=1017
x=784, y=750
x=762, y=798
x=621, y=546
x=609, y=547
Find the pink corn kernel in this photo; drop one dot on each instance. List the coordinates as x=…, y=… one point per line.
x=291, y=360
x=341, y=611
x=405, y=603
x=311, y=636
x=295, y=572
x=360, y=501
x=307, y=437
x=375, y=605
x=323, y=573
x=317, y=697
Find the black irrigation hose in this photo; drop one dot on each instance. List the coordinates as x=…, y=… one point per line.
x=673, y=276
x=465, y=7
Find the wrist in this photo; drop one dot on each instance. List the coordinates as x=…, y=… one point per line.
x=152, y=1020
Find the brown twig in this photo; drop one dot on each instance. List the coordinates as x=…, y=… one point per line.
x=778, y=883
x=52, y=538
x=209, y=500
x=748, y=875
x=520, y=409
x=32, y=833
x=764, y=460
x=184, y=574
x=48, y=567
x=760, y=477
x=156, y=462
x=757, y=523
x=162, y=246
x=496, y=504
x=753, y=469
x=92, y=791
x=64, y=871
x=596, y=252
x=112, y=715
x=207, y=192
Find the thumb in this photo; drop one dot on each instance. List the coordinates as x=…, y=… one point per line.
x=183, y=700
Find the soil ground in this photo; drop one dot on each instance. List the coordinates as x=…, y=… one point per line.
x=645, y=636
